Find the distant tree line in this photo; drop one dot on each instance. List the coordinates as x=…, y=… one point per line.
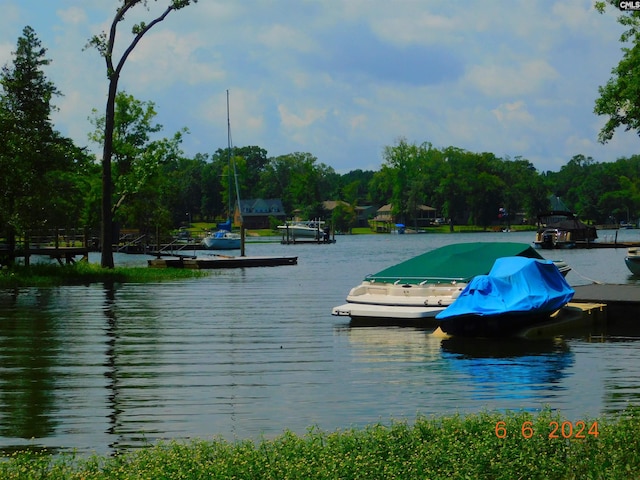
x=46, y=181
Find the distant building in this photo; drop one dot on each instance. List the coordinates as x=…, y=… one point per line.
x=385, y=222
x=256, y=212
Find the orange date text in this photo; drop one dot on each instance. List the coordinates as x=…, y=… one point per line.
x=577, y=430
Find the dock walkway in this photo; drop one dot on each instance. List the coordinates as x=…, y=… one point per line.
x=221, y=261
x=622, y=301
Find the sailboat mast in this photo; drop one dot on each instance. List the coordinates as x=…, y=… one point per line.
x=235, y=176
x=229, y=196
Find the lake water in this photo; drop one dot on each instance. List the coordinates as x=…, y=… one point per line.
x=251, y=352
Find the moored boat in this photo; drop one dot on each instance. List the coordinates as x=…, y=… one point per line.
x=516, y=294
x=421, y=287
x=222, y=240
x=562, y=229
x=632, y=260
x=304, y=229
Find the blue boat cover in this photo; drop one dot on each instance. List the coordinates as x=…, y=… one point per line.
x=514, y=285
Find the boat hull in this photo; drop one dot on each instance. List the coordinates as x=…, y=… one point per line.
x=491, y=326
x=222, y=240
x=303, y=230
x=633, y=264
x=359, y=311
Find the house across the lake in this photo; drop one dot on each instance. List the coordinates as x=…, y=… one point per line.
x=257, y=211
x=384, y=221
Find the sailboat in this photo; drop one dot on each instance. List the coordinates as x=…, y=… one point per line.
x=223, y=238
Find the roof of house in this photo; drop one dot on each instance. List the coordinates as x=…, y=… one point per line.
x=261, y=207
x=331, y=204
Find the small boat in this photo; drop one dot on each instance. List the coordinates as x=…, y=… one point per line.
x=562, y=229
x=517, y=293
x=222, y=240
x=304, y=229
x=632, y=260
x=421, y=287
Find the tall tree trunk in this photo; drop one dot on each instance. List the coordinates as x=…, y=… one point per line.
x=107, y=186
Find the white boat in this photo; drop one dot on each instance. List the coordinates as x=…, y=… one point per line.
x=222, y=240
x=421, y=287
x=304, y=229
x=632, y=260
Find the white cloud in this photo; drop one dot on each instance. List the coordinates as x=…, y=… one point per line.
x=345, y=78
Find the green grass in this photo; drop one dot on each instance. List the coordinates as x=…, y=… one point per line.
x=451, y=447
x=82, y=273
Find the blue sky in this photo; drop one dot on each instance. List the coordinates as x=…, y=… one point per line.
x=342, y=79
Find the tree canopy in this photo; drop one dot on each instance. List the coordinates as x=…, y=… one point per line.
x=40, y=181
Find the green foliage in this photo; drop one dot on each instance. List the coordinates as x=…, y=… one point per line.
x=480, y=446
x=42, y=172
x=619, y=98
x=83, y=273
x=343, y=217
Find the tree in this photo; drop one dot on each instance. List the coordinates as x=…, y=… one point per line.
x=136, y=158
x=620, y=97
x=38, y=165
x=298, y=181
x=105, y=45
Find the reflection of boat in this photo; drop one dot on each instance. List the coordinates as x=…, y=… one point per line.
x=222, y=240
x=562, y=229
x=501, y=372
x=423, y=286
x=303, y=229
x=516, y=294
x=498, y=348
x=632, y=260
x=392, y=344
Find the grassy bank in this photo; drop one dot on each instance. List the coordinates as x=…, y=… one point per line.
x=82, y=273
x=475, y=447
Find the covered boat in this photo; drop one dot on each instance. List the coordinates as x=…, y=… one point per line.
x=517, y=293
x=423, y=286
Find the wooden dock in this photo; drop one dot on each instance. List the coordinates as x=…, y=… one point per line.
x=306, y=241
x=615, y=244
x=575, y=316
x=68, y=254
x=221, y=261
x=622, y=301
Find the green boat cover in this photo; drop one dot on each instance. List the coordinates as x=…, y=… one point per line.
x=460, y=262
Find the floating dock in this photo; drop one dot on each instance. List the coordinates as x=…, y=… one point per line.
x=622, y=300
x=221, y=261
x=614, y=244
x=302, y=241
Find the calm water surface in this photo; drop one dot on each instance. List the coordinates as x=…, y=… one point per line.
x=251, y=352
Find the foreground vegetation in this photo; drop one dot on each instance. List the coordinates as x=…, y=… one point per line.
x=486, y=445
x=82, y=273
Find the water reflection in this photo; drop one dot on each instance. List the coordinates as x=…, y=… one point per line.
x=29, y=344
x=510, y=369
x=393, y=344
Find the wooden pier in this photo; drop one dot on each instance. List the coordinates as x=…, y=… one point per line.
x=622, y=301
x=221, y=261
x=61, y=254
